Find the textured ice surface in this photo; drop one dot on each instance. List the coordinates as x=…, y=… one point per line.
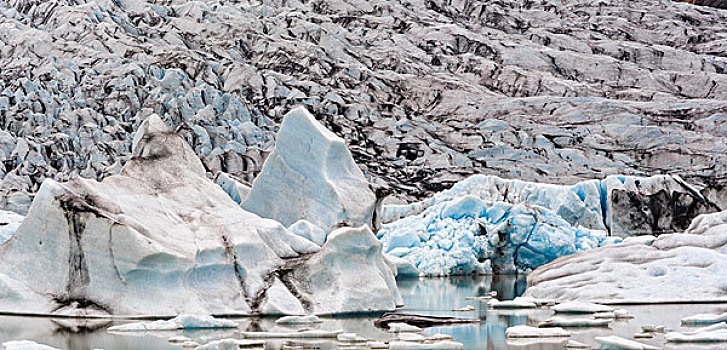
x=162, y=239
x=486, y=224
x=670, y=268
x=311, y=176
x=615, y=342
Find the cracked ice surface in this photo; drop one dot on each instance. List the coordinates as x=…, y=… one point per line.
x=161, y=239
x=427, y=92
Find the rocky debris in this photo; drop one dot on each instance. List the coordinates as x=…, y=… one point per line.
x=425, y=92
x=642, y=270
x=160, y=239
x=310, y=175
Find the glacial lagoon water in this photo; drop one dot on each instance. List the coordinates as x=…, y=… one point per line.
x=433, y=296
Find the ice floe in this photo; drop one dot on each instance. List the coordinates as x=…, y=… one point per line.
x=400, y=327
x=523, y=331
x=25, y=345
x=298, y=320
x=313, y=333
x=716, y=333
x=517, y=303
x=580, y=308
x=615, y=342
x=574, y=322
x=440, y=345
x=9, y=222
x=230, y=344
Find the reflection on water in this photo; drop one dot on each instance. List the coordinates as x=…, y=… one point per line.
x=433, y=296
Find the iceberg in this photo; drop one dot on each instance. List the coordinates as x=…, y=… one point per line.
x=311, y=175
x=574, y=322
x=160, y=239
x=716, y=333
x=440, y=345
x=705, y=319
x=686, y=267
x=580, y=308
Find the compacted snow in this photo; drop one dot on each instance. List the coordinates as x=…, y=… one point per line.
x=161, y=239
x=684, y=267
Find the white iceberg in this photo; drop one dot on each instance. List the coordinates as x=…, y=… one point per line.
x=176, y=323
x=670, y=268
x=400, y=327
x=615, y=342
x=517, y=303
x=523, y=331
x=230, y=344
x=311, y=175
x=160, y=239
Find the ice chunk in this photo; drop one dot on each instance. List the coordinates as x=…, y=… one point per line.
x=580, y=308
x=403, y=266
x=309, y=231
x=574, y=322
x=705, y=319
x=298, y=319
x=523, y=331
x=25, y=345
x=351, y=338
x=621, y=343
x=302, y=334
x=441, y=345
x=517, y=303
x=313, y=173
x=9, y=222
x=179, y=322
x=710, y=334
x=572, y=344
x=233, y=187
x=400, y=327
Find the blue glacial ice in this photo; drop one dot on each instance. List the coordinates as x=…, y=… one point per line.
x=489, y=225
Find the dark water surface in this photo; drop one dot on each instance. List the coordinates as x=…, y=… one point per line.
x=432, y=296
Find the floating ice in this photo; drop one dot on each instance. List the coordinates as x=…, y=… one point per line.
x=351, y=338
x=400, y=327
x=298, y=320
x=517, y=303
x=523, y=331
x=302, y=334
x=179, y=322
x=614, y=342
x=231, y=344
x=311, y=175
x=25, y=345
x=572, y=344
x=574, y=322
x=705, y=319
x=716, y=333
x=441, y=345
x=580, y=308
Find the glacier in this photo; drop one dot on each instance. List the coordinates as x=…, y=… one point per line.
x=686, y=267
x=486, y=224
x=161, y=239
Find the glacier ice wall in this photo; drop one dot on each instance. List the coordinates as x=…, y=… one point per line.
x=426, y=94
x=486, y=224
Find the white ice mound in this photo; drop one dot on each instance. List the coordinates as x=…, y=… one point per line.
x=311, y=175
x=468, y=235
x=705, y=319
x=523, y=331
x=716, y=333
x=669, y=268
x=614, y=342
x=25, y=345
x=9, y=223
x=161, y=239
x=176, y=323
